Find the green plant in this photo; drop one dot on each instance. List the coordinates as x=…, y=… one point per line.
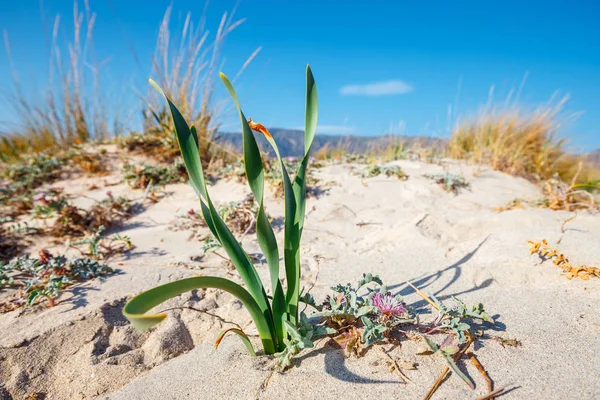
x=391, y=171
x=108, y=213
x=210, y=245
x=47, y=275
x=100, y=247
x=185, y=64
x=47, y=204
x=269, y=315
x=144, y=175
x=449, y=182
x=33, y=171
x=359, y=316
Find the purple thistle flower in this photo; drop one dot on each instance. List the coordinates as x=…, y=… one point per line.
x=39, y=197
x=388, y=305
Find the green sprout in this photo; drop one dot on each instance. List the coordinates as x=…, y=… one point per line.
x=274, y=315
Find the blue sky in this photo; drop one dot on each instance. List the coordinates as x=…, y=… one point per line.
x=385, y=66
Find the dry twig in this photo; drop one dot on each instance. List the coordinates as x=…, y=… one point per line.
x=397, y=367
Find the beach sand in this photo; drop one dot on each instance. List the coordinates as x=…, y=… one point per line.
x=409, y=230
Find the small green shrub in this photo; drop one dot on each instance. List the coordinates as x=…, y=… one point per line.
x=109, y=212
x=144, y=175
x=47, y=275
x=359, y=316
x=390, y=171
x=449, y=182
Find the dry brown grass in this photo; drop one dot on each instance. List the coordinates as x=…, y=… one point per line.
x=74, y=106
x=185, y=65
x=71, y=109
x=519, y=143
x=546, y=252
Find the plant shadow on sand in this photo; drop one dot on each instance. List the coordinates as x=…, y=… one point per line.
x=153, y=252
x=335, y=365
x=78, y=293
x=430, y=279
x=455, y=269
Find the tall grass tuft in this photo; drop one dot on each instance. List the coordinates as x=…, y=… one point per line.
x=185, y=66
x=72, y=107
x=519, y=143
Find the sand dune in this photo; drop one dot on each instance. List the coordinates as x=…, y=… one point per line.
x=413, y=230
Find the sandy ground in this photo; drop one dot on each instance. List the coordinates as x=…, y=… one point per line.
x=402, y=230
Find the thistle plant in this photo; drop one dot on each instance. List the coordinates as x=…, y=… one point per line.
x=276, y=315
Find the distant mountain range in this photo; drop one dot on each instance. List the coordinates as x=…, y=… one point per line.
x=291, y=141
x=594, y=158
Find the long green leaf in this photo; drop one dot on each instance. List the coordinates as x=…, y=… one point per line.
x=310, y=128
x=253, y=165
x=136, y=308
x=189, y=145
x=457, y=371
x=243, y=264
x=291, y=239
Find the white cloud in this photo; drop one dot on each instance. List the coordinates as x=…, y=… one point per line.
x=377, y=88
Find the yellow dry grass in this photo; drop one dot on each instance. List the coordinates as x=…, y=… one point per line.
x=71, y=109
x=74, y=107
x=519, y=143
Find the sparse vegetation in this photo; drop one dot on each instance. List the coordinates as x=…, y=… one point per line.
x=450, y=182
x=34, y=171
x=100, y=247
x=109, y=212
x=72, y=108
x=559, y=195
x=45, y=276
x=275, y=178
x=519, y=143
x=56, y=138
x=91, y=163
x=142, y=176
x=357, y=317
x=390, y=171
x=233, y=171
x=185, y=67
x=240, y=216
